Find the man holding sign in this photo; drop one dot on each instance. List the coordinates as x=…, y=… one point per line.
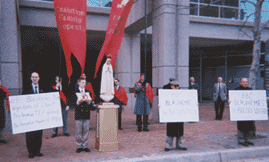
x=174, y=129
x=34, y=138
x=244, y=127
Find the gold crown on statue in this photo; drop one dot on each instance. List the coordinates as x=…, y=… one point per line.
x=109, y=56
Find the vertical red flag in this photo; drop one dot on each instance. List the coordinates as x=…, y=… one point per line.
x=120, y=10
x=71, y=22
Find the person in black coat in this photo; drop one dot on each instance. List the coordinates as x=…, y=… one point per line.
x=34, y=138
x=168, y=86
x=83, y=106
x=244, y=127
x=174, y=129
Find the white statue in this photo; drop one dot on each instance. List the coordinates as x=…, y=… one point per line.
x=107, y=81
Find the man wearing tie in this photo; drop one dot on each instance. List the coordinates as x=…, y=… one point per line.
x=34, y=138
x=219, y=97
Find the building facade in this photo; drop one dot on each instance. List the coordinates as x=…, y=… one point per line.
x=185, y=38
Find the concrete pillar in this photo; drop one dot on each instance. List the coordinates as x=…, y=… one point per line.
x=127, y=67
x=170, y=45
x=10, y=52
x=182, y=64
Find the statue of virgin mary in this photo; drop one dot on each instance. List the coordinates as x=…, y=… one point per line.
x=107, y=81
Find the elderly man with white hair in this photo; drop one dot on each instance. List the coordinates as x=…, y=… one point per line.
x=219, y=97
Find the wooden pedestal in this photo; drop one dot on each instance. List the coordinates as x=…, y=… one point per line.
x=107, y=127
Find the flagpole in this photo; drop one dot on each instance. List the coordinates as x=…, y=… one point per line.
x=145, y=48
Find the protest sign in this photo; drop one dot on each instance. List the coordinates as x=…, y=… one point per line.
x=178, y=106
x=248, y=105
x=35, y=112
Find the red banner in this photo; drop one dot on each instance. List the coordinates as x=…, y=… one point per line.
x=120, y=10
x=71, y=22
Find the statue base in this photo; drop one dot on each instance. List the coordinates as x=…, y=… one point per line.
x=107, y=127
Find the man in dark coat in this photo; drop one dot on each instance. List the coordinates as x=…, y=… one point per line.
x=174, y=129
x=34, y=138
x=4, y=94
x=82, y=115
x=244, y=127
x=144, y=97
x=168, y=86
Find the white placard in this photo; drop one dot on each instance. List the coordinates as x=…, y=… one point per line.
x=248, y=105
x=178, y=106
x=35, y=112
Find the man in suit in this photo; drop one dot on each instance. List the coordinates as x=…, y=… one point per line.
x=65, y=107
x=34, y=138
x=193, y=85
x=120, y=99
x=219, y=97
x=82, y=116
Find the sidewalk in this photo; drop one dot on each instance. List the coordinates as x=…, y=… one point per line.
x=207, y=140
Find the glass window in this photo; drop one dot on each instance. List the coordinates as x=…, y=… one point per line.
x=211, y=11
x=228, y=13
x=193, y=9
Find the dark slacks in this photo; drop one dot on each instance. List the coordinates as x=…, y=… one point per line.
x=119, y=119
x=219, y=108
x=34, y=141
x=139, y=121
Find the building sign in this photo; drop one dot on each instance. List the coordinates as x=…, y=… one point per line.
x=35, y=112
x=178, y=106
x=248, y=105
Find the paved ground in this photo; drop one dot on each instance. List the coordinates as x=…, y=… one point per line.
x=205, y=137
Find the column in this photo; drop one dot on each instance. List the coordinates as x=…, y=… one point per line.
x=10, y=51
x=182, y=70
x=127, y=67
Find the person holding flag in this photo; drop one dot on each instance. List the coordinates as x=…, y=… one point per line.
x=65, y=107
x=144, y=97
x=120, y=99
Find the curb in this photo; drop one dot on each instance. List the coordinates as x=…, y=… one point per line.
x=215, y=156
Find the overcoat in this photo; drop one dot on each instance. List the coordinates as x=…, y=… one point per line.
x=245, y=126
x=142, y=104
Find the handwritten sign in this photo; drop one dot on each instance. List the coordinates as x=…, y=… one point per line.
x=35, y=112
x=248, y=105
x=178, y=106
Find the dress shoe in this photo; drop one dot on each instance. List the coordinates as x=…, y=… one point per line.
x=66, y=134
x=79, y=150
x=139, y=129
x=243, y=143
x=39, y=154
x=181, y=148
x=250, y=143
x=31, y=156
x=54, y=135
x=166, y=149
x=120, y=128
x=86, y=150
x=3, y=141
x=145, y=129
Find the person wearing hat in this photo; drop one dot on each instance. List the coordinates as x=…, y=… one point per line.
x=174, y=129
x=168, y=86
